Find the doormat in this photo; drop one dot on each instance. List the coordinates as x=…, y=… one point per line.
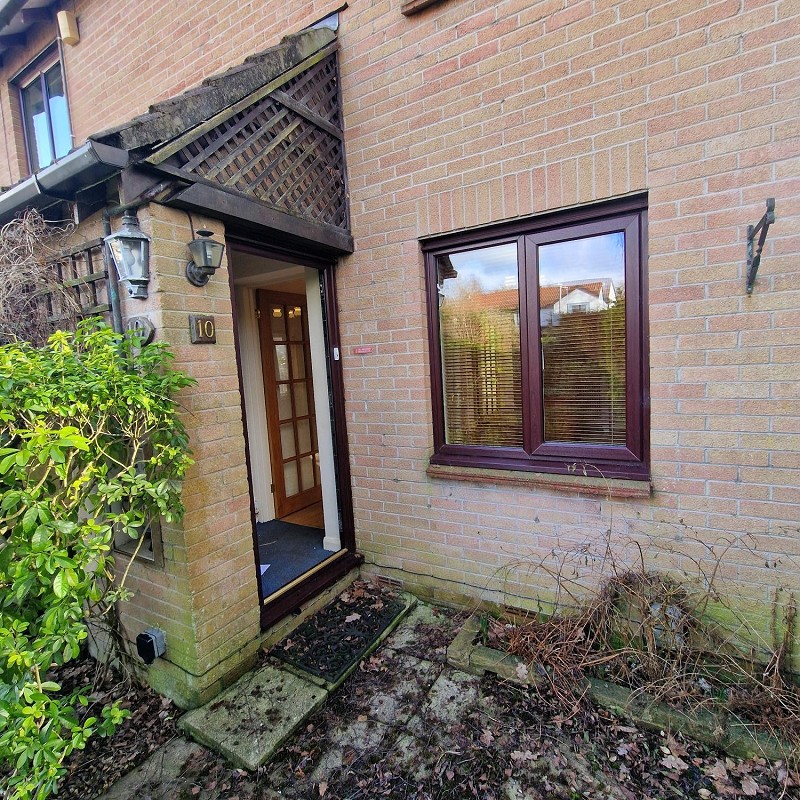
x=334, y=639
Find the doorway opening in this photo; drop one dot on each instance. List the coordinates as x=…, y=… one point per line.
x=288, y=402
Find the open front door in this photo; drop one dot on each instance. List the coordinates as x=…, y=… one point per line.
x=289, y=395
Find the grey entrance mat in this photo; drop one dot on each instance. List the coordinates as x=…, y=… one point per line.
x=289, y=550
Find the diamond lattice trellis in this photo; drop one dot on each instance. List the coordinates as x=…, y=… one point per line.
x=284, y=150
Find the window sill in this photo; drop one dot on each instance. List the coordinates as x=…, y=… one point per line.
x=573, y=484
x=410, y=7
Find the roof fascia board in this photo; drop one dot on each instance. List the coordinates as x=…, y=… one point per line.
x=86, y=166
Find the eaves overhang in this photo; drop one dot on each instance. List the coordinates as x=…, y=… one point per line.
x=262, y=141
x=90, y=164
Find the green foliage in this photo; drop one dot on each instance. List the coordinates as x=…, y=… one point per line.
x=90, y=444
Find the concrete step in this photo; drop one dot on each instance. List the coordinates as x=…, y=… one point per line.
x=249, y=721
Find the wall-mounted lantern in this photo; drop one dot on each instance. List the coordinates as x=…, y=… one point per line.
x=206, y=257
x=130, y=250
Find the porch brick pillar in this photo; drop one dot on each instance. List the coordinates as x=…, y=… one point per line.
x=205, y=595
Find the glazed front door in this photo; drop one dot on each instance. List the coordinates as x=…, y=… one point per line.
x=288, y=389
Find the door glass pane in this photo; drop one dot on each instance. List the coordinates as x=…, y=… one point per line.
x=295, y=314
x=277, y=323
x=287, y=440
x=479, y=329
x=582, y=315
x=281, y=362
x=290, y=483
x=37, y=126
x=298, y=361
x=300, y=398
x=304, y=435
x=59, y=115
x=284, y=401
x=307, y=472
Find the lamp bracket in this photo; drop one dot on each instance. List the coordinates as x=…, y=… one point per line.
x=195, y=275
x=754, y=250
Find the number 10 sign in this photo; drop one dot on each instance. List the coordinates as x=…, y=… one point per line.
x=202, y=329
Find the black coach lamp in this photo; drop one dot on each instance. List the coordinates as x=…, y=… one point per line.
x=130, y=250
x=206, y=257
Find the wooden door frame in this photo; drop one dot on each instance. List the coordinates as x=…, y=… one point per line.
x=324, y=575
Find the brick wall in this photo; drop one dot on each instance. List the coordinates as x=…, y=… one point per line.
x=205, y=595
x=465, y=115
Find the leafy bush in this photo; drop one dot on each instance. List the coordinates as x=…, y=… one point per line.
x=90, y=444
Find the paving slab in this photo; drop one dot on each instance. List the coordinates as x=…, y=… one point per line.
x=410, y=680
x=358, y=738
x=158, y=776
x=450, y=696
x=252, y=719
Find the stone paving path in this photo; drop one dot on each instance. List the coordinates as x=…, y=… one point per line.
x=406, y=725
x=419, y=693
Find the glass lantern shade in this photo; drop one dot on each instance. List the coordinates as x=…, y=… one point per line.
x=130, y=250
x=206, y=257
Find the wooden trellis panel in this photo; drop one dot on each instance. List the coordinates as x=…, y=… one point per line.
x=284, y=150
x=82, y=272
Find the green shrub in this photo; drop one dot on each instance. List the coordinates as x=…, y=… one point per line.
x=90, y=444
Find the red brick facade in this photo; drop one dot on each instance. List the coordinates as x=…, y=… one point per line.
x=461, y=116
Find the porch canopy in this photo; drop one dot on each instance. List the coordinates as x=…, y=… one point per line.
x=259, y=146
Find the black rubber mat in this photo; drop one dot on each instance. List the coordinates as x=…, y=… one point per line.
x=337, y=636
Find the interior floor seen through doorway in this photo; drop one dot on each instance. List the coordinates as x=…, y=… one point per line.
x=291, y=546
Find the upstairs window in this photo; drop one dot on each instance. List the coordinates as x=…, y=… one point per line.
x=45, y=115
x=538, y=350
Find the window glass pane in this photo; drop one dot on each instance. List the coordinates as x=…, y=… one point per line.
x=291, y=485
x=304, y=435
x=37, y=126
x=300, y=398
x=59, y=115
x=582, y=315
x=298, y=361
x=277, y=324
x=287, y=441
x=307, y=472
x=284, y=401
x=479, y=329
x=295, y=314
x=281, y=362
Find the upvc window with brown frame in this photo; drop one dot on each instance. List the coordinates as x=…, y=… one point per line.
x=538, y=352
x=45, y=113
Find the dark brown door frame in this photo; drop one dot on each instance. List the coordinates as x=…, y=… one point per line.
x=331, y=570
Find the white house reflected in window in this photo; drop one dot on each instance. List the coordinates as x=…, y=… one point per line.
x=48, y=135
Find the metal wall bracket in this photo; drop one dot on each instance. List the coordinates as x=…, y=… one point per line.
x=754, y=258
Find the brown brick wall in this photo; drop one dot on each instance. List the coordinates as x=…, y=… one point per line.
x=205, y=596
x=463, y=116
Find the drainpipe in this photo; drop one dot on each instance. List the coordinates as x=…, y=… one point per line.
x=113, y=280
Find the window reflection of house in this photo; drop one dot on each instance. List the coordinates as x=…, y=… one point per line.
x=572, y=298
x=583, y=363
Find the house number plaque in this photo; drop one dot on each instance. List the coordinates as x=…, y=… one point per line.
x=202, y=329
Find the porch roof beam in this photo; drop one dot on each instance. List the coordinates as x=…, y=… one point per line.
x=241, y=212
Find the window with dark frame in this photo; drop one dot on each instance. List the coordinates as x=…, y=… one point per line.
x=45, y=115
x=538, y=343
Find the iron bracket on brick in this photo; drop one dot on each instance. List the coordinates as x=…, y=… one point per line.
x=754, y=254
